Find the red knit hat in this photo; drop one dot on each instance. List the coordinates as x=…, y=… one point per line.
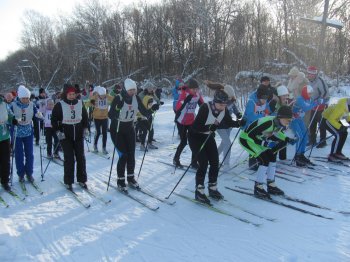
x=312, y=70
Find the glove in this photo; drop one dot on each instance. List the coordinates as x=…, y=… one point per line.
x=60, y=135
x=213, y=128
x=161, y=103
x=86, y=132
x=188, y=99
x=155, y=107
x=290, y=140
x=242, y=122
x=14, y=122
x=239, y=115
x=271, y=144
x=39, y=115
x=92, y=101
x=119, y=105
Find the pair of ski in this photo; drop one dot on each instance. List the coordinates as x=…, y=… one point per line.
x=82, y=201
x=105, y=156
x=141, y=201
x=33, y=184
x=13, y=194
x=182, y=167
x=55, y=160
x=249, y=192
x=345, y=163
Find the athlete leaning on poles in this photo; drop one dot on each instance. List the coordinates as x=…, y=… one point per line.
x=262, y=139
x=332, y=118
x=122, y=113
x=70, y=122
x=202, y=142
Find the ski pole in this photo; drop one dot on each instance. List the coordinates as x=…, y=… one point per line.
x=41, y=164
x=318, y=129
x=323, y=140
x=144, y=154
x=229, y=149
x=49, y=161
x=110, y=171
x=87, y=144
x=312, y=119
x=13, y=152
x=188, y=167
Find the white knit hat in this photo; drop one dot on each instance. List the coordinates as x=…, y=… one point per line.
x=129, y=84
x=294, y=71
x=229, y=91
x=101, y=90
x=23, y=92
x=282, y=90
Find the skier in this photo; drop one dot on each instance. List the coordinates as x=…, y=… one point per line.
x=333, y=117
x=320, y=91
x=303, y=103
x=25, y=112
x=122, y=113
x=262, y=139
x=202, y=141
x=50, y=134
x=6, y=118
x=256, y=108
x=101, y=100
x=70, y=122
x=185, y=115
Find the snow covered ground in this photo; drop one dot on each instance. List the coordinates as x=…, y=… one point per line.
x=55, y=227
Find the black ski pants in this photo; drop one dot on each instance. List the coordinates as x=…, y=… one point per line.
x=339, y=137
x=183, y=131
x=208, y=155
x=101, y=124
x=125, y=143
x=49, y=135
x=313, y=127
x=5, y=161
x=144, y=126
x=74, y=149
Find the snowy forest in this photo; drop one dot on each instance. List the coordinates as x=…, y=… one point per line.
x=215, y=39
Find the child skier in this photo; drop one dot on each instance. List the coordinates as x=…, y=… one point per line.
x=202, y=141
x=100, y=100
x=25, y=112
x=262, y=139
x=6, y=118
x=70, y=122
x=185, y=115
x=49, y=132
x=332, y=117
x=122, y=113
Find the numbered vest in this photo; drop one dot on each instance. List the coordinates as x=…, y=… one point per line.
x=47, y=119
x=128, y=112
x=72, y=114
x=101, y=103
x=24, y=115
x=211, y=119
x=260, y=109
x=3, y=114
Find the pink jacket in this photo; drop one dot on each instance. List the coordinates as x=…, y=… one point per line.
x=185, y=113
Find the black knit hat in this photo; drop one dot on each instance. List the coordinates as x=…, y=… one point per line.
x=220, y=97
x=285, y=112
x=264, y=78
x=262, y=92
x=41, y=90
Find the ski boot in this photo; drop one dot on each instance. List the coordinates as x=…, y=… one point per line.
x=132, y=182
x=322, y=144
x=333, y=158
x=253, y=164
x=273, y=189
x=213, y=191
x=95, y=150
x=104, y=151
x=299, y=161
x=30, y=178
x=306, y=160
x=143, y=148
x=21, y=179
x=49, y=156
x=260, y=192
x=69, y=186
x=121, y=184
x=151, y=146
x=57, y=156
x=6, y=187
x=200, y=195
x=83, y=185
x=194, y=165
x=340, y=156
x=176, y=162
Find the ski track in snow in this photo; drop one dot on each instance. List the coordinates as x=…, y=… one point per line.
x=55, y=227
